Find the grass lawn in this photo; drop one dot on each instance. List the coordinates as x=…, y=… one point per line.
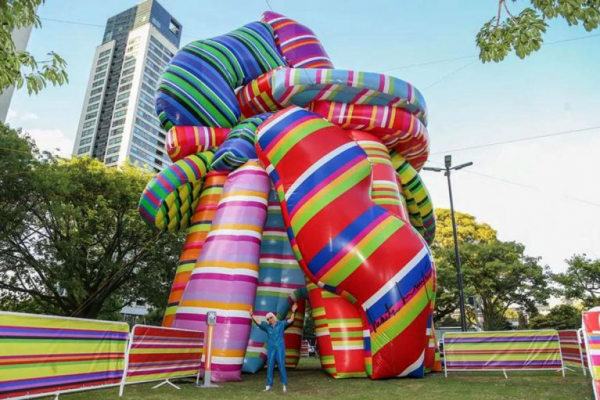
x=308, y=382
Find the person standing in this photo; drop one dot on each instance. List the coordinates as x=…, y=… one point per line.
x=275, y=344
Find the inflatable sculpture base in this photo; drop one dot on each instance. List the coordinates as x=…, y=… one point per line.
x=296, y=182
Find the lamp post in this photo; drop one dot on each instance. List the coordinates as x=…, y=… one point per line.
x=461, y=294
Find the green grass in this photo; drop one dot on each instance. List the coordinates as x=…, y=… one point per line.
x=309, y=382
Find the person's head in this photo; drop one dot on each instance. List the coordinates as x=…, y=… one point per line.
x=271, y=318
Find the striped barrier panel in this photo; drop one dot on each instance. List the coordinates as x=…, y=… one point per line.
x=570, y=347
x=581, y=338
x=162, y=354
x=44, y=355
x=591, y=334
x=502, y=351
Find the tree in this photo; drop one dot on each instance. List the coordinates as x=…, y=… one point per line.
x=498, y=273
x=469, y=231
x=19, y=67
x=71, y=239
x=523, y=33
x=564, y=316
x=581, y=280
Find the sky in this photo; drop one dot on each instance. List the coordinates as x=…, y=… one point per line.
x=544, y=193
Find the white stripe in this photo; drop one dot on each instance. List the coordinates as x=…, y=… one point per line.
x=414, y=366
x=275, y=289
x=274, y=121
x=256, y=199
x=279, y=261
x=228, y=360
x=309, y=60
x=352, y=347
x=220, y=313
x=225, y=271
x=234, y=232
x=397, y=278
x=297, y=38
x=323, y=160
x=342, y=113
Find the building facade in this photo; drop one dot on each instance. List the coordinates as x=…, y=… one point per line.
x=117, y=120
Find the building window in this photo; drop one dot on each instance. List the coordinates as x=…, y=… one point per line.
x=100, y=75
x=95, y=91
x=116, y=140
x=103, y=60
x=122, y=96
x=111, y=159
x=133, y=41
x=120, y=113
x=129, y=63
x=128, y=71
x=121, y=104
x=132, y=49
x=113, y=150
x=91, y=115
x=117, y=131
x=118, y=122
x=87, y=132
x=104, y=53
x=126, y=80
x=174, y=27
x=152, y=74
x=85, y=141
x=99, y=83
x=93, y=107
x=147, y=98
x=83, y=150
x=94, y=99
x=88, y=124
x=124, y=88
x=149, y=81
x=148, y=89
x=101, y=68
x=156, y=23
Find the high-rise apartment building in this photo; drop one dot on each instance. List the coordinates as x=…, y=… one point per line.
x=118, y=121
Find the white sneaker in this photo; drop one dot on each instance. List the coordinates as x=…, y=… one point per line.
x=268, y=388
x=284, y=389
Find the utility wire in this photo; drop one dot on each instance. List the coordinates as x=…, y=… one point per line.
x=450, y=151
x=456, y=71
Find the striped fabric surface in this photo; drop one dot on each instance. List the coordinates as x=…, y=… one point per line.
x=298, y=43
x=225, y=277
x=571, y=348
x=398, y=129
x=301, y=86
x=170, y=198
x=416, y=195
x=591, y=332
x=163, y=353
x=279, y=277
x=339, y=331
x=197, y=87
x=183, y=141
x=342, y=239
x=196, y=235
x=292, y=336
x=502, y=350
x=238, y=147
x=385, y=190
x=42, y=354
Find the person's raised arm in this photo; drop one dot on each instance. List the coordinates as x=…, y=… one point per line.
x=291, y=319
x=254, y=317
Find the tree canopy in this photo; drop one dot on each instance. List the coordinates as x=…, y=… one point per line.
x=564, y=316
x=71, y=240
x=581, y=280
x=523, y=33
x=19, y=67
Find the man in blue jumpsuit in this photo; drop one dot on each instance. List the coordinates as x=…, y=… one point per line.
x=275, y=344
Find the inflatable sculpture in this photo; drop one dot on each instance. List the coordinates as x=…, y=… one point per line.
x=296, y=182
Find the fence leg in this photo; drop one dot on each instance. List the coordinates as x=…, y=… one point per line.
x=56, y=396
x=504, y=372
x=166, y=382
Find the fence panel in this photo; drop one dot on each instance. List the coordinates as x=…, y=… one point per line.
x=570, y=348
x=502, y=350
x=157, y=353
x=591, y=333
x=42, y=355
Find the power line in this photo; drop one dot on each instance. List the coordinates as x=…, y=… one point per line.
x=590, y=128
x=456, y=71
x=269, y=4
x=523, y=185
x=444, y=60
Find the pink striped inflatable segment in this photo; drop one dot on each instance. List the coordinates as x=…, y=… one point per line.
x=225, y=277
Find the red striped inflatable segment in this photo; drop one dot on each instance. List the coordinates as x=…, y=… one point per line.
x=397, y=128
x=570, y=348
x=344, y=241
x=292, y=336
x=183, y=141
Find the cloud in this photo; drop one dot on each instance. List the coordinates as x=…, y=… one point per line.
x=20, y=116
x=52, y=140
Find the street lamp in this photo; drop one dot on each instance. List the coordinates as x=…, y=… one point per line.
x=461, y=294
